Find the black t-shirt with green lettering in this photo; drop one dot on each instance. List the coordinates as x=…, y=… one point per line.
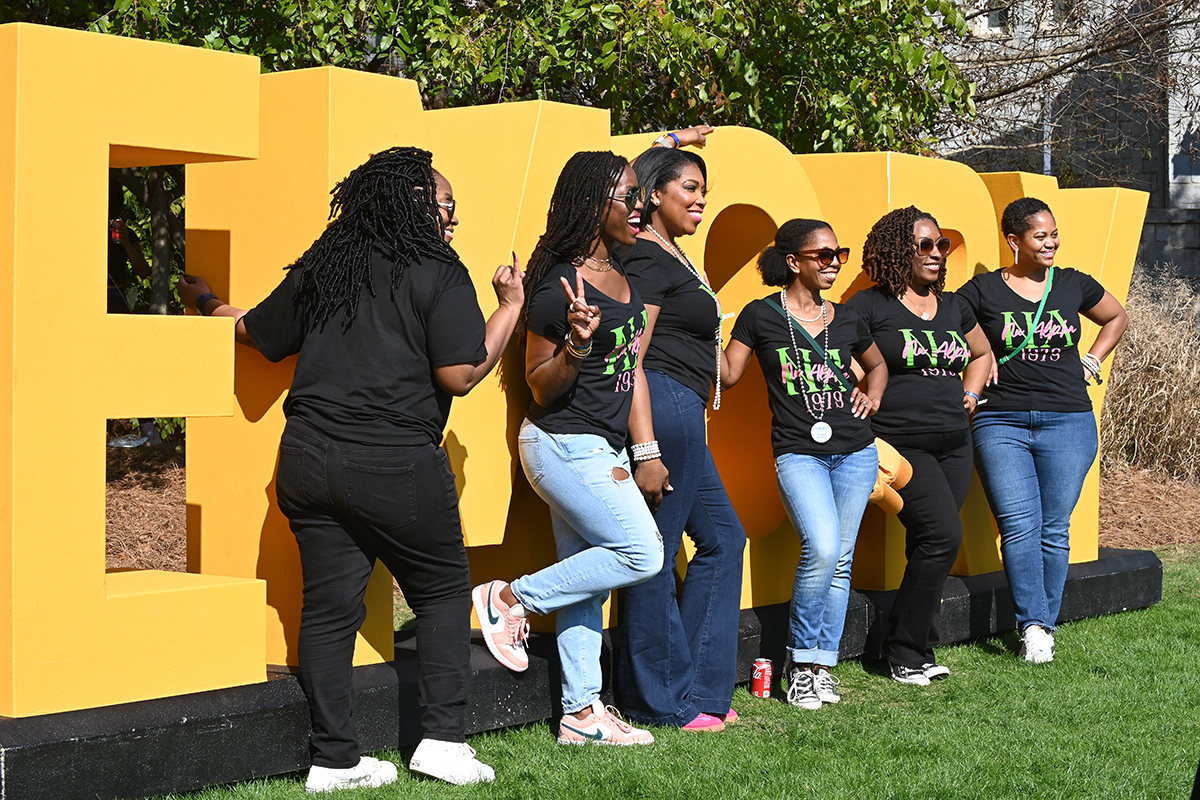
x=1047, y=374
x=924, y=359
x=684, y=343
x=372, y=382
x=792, y=378
x=599, y=400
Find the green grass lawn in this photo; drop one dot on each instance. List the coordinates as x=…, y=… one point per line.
x=1116, y=715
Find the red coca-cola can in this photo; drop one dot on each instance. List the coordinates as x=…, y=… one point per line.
x=760, y=682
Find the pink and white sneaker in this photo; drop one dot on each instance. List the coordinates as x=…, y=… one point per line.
x=503, y=632
x=602, y=726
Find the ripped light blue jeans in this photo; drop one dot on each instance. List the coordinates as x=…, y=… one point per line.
x=606, y=539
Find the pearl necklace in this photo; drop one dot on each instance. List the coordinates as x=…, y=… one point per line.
x=821, y=432
x=681, y=256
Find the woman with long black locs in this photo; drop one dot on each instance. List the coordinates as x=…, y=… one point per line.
x=383, y=319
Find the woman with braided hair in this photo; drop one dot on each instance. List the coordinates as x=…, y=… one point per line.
x=927, y=337
x=583, y=322
x=386, y=327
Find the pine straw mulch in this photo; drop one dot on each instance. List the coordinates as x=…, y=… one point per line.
x=147, y=527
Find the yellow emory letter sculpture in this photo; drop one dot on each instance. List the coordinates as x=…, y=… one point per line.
x=263, y=153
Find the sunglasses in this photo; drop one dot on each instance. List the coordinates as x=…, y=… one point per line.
x=449, y=208
x=632, y=198
x=826, y=255
x=925, y=245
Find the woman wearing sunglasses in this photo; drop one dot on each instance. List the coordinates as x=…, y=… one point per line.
x=927, y=337
x=825, y=456
x=583, y=323
x=679, y=660
x=1036, y=439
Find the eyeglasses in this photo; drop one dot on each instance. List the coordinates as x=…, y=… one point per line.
x=449, y=208
x=632, y=198
x=826, y=255
x=925, y=245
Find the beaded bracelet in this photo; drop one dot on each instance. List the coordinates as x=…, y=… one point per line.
x=646, y=451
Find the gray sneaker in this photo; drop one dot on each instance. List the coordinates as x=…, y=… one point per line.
x=802, y=690
x=826, y=686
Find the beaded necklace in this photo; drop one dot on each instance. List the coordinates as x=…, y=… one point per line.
x=821, y=432
x=681, y=256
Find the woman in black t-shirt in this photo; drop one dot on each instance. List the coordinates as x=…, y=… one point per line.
x=583, y=322
x=825, y=456
x=927, y=337
x=1036, y=439
x=383, y=319
x=679, y=660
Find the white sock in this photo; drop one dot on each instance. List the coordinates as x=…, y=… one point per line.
x=518, y=610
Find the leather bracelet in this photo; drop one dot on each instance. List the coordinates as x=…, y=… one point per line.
x=203, y=301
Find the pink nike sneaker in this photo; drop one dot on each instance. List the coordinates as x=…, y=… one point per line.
x=602, y=726
x=504, y=633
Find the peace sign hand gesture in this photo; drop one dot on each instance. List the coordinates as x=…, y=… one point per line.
x=582, y=318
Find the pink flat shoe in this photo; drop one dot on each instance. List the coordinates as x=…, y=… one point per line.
x=705, y=722
x=728, y=718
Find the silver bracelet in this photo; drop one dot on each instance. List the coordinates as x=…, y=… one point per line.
x=646, y=451
x=1091, y=363
x=579, y=353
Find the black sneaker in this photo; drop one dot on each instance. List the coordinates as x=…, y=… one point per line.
x=802, y=690
x=904, y=674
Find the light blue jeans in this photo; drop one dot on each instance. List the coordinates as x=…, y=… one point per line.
x=825, y=497
x=606, y=539
x=1032, y=465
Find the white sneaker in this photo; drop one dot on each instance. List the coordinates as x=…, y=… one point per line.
x=935, y=671
x=367, y=772
x=802, y=690
x=1037, y=645
x=452, y=762
x=825, y=686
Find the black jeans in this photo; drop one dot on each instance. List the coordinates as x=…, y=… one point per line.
x=349, y=504
x=942, y=467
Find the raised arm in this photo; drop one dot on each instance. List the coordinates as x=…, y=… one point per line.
x=458, y=379
x=552, y=365
x=193, y=290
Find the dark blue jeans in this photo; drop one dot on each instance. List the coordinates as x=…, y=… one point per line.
x=680, y=653
x=1032, y=465
x=348, y=505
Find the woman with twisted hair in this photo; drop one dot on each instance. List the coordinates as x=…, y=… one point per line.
x=583, y=323
x=384, y=321
x=928, y=337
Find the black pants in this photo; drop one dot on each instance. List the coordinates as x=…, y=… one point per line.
x=348, y=505
x=942, y=467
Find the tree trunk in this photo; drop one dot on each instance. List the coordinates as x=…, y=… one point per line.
x=160, y=240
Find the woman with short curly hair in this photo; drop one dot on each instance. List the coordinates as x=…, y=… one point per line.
x=927, y=337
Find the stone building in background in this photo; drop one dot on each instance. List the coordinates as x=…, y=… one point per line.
x=1097, y=93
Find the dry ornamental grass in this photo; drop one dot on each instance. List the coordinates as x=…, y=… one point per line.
x=1151, y=416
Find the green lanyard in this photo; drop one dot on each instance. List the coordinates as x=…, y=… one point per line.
x=1029, y=336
